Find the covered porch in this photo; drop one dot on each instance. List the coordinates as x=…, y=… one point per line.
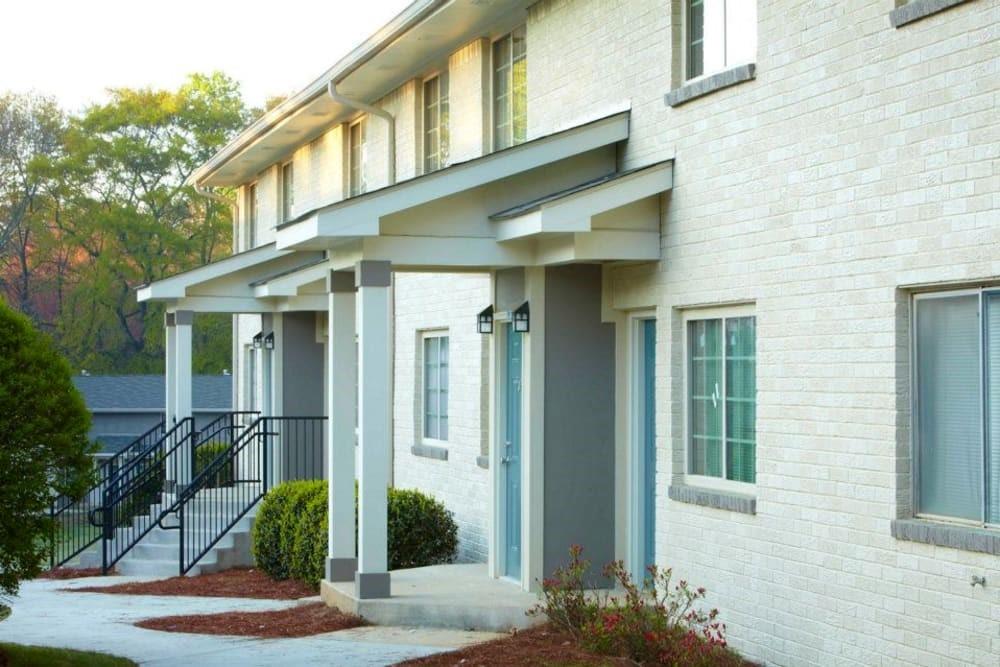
x=542, y=219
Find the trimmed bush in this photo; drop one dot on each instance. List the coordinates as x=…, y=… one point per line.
x=421, y=531
x=290, y=531
x=265, y=542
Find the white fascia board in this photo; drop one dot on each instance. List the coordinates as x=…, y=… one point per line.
x=359, y=216
x=574, y=213
x=175, y=287
x=565, y=214
x=248, y=305
x=289, y=285
x=445, y=253
x=617, y=245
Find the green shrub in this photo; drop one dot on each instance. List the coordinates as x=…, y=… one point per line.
x=290, y=532
x=309, y=547
x=421, y=531
x=265, y=543
x=208, y=452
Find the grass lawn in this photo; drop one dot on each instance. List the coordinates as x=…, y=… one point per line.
x=16, y=655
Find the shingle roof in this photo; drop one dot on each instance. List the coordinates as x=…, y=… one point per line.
x=139, y=392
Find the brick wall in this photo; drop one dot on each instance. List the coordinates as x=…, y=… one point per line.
x=444, y=302
x=861, y=160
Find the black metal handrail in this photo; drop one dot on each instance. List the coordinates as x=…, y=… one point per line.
x=73, y=530
x=220, y=495
x=223, y=431
x=126, y=511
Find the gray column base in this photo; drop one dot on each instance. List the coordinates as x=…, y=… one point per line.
x=368, y=585
x=341, y=569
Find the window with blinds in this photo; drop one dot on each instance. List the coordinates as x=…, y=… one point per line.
x=722, y=397
x=435, y=380
x=436, y=122
x=957, y=412
x=510, y=89
x=356, y=138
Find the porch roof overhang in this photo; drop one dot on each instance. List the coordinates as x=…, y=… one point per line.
x=261, y=280
x=552, y=200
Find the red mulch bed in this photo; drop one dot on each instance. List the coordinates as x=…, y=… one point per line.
x=536, y=647
x=235, y=583
x=71, y=573
x=299, y=621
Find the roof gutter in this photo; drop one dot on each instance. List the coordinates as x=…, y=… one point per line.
x=403, y=23
x=331, y=90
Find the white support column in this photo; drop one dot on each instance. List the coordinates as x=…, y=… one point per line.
x=375, y=404
x=183, y=321
x=170, y=354
x=341, y=562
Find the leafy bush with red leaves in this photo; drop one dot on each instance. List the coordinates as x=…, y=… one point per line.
x=657, y=622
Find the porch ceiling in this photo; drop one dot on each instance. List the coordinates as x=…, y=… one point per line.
x=579, y=208
x=233, y=284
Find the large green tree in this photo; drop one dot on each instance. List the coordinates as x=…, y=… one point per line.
x=43, y=444
x=114, y=213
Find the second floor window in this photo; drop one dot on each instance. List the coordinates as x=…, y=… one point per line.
x=251, y=218
x=287, y=191
x=720, y=34
x=510, y=89
x=356, y=137
x=436, y=122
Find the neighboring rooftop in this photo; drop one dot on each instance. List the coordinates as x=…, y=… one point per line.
x=148, y=392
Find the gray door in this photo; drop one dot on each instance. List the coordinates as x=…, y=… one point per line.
x=511, y=455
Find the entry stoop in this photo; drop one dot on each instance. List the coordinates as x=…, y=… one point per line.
x=460, y=596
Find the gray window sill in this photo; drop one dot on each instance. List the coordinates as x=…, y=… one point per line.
x=721, y=500
x=710, y=84
x=430, y=451
x=919, y=9
x=483, y=462
x=966, y=538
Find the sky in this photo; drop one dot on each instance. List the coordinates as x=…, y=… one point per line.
x=74, y=50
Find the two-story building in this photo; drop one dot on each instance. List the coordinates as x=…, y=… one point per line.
x=708, y=283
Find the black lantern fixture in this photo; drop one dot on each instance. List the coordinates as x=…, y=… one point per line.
x=269, y=341
x=258, y=340
x=484, y=321
x=521, y=318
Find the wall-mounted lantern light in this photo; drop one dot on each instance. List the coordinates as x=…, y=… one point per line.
x=258, y=341
x=484, y=321
x=521, y=318
x=269, y=341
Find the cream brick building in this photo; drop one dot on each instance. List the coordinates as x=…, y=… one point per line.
x=793, y=187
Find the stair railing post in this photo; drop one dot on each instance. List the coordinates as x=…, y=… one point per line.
x=180, y=541
x=106, y=528
x=266, y=444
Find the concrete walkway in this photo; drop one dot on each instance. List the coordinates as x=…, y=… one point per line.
x=45, y=616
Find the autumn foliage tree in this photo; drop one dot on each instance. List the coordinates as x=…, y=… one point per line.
x=112, y=211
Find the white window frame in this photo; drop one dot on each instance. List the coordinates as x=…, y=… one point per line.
x=636, y=440
x=980, y=292
x=286, y=193
x=249, y=381
x=357, y=164
x=492, y=101
x=707, y=481
x=426, y=335
x=709, y=67
x=252, y=208
x=442, y=74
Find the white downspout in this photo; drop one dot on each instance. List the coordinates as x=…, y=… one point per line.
x=331, y=90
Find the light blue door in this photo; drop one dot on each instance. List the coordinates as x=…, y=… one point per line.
x=511, y=455
x=648, y=337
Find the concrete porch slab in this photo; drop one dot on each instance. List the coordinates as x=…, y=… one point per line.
x=461, y=596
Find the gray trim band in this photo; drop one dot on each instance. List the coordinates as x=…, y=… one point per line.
x=919, y=9
x=966, y=538
x=710, y=84
x=372, y=273
x=430, y=451
x=341, y=569
x=483, y=462
x=340, y=281
x=369, y=585
x=720, y=500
